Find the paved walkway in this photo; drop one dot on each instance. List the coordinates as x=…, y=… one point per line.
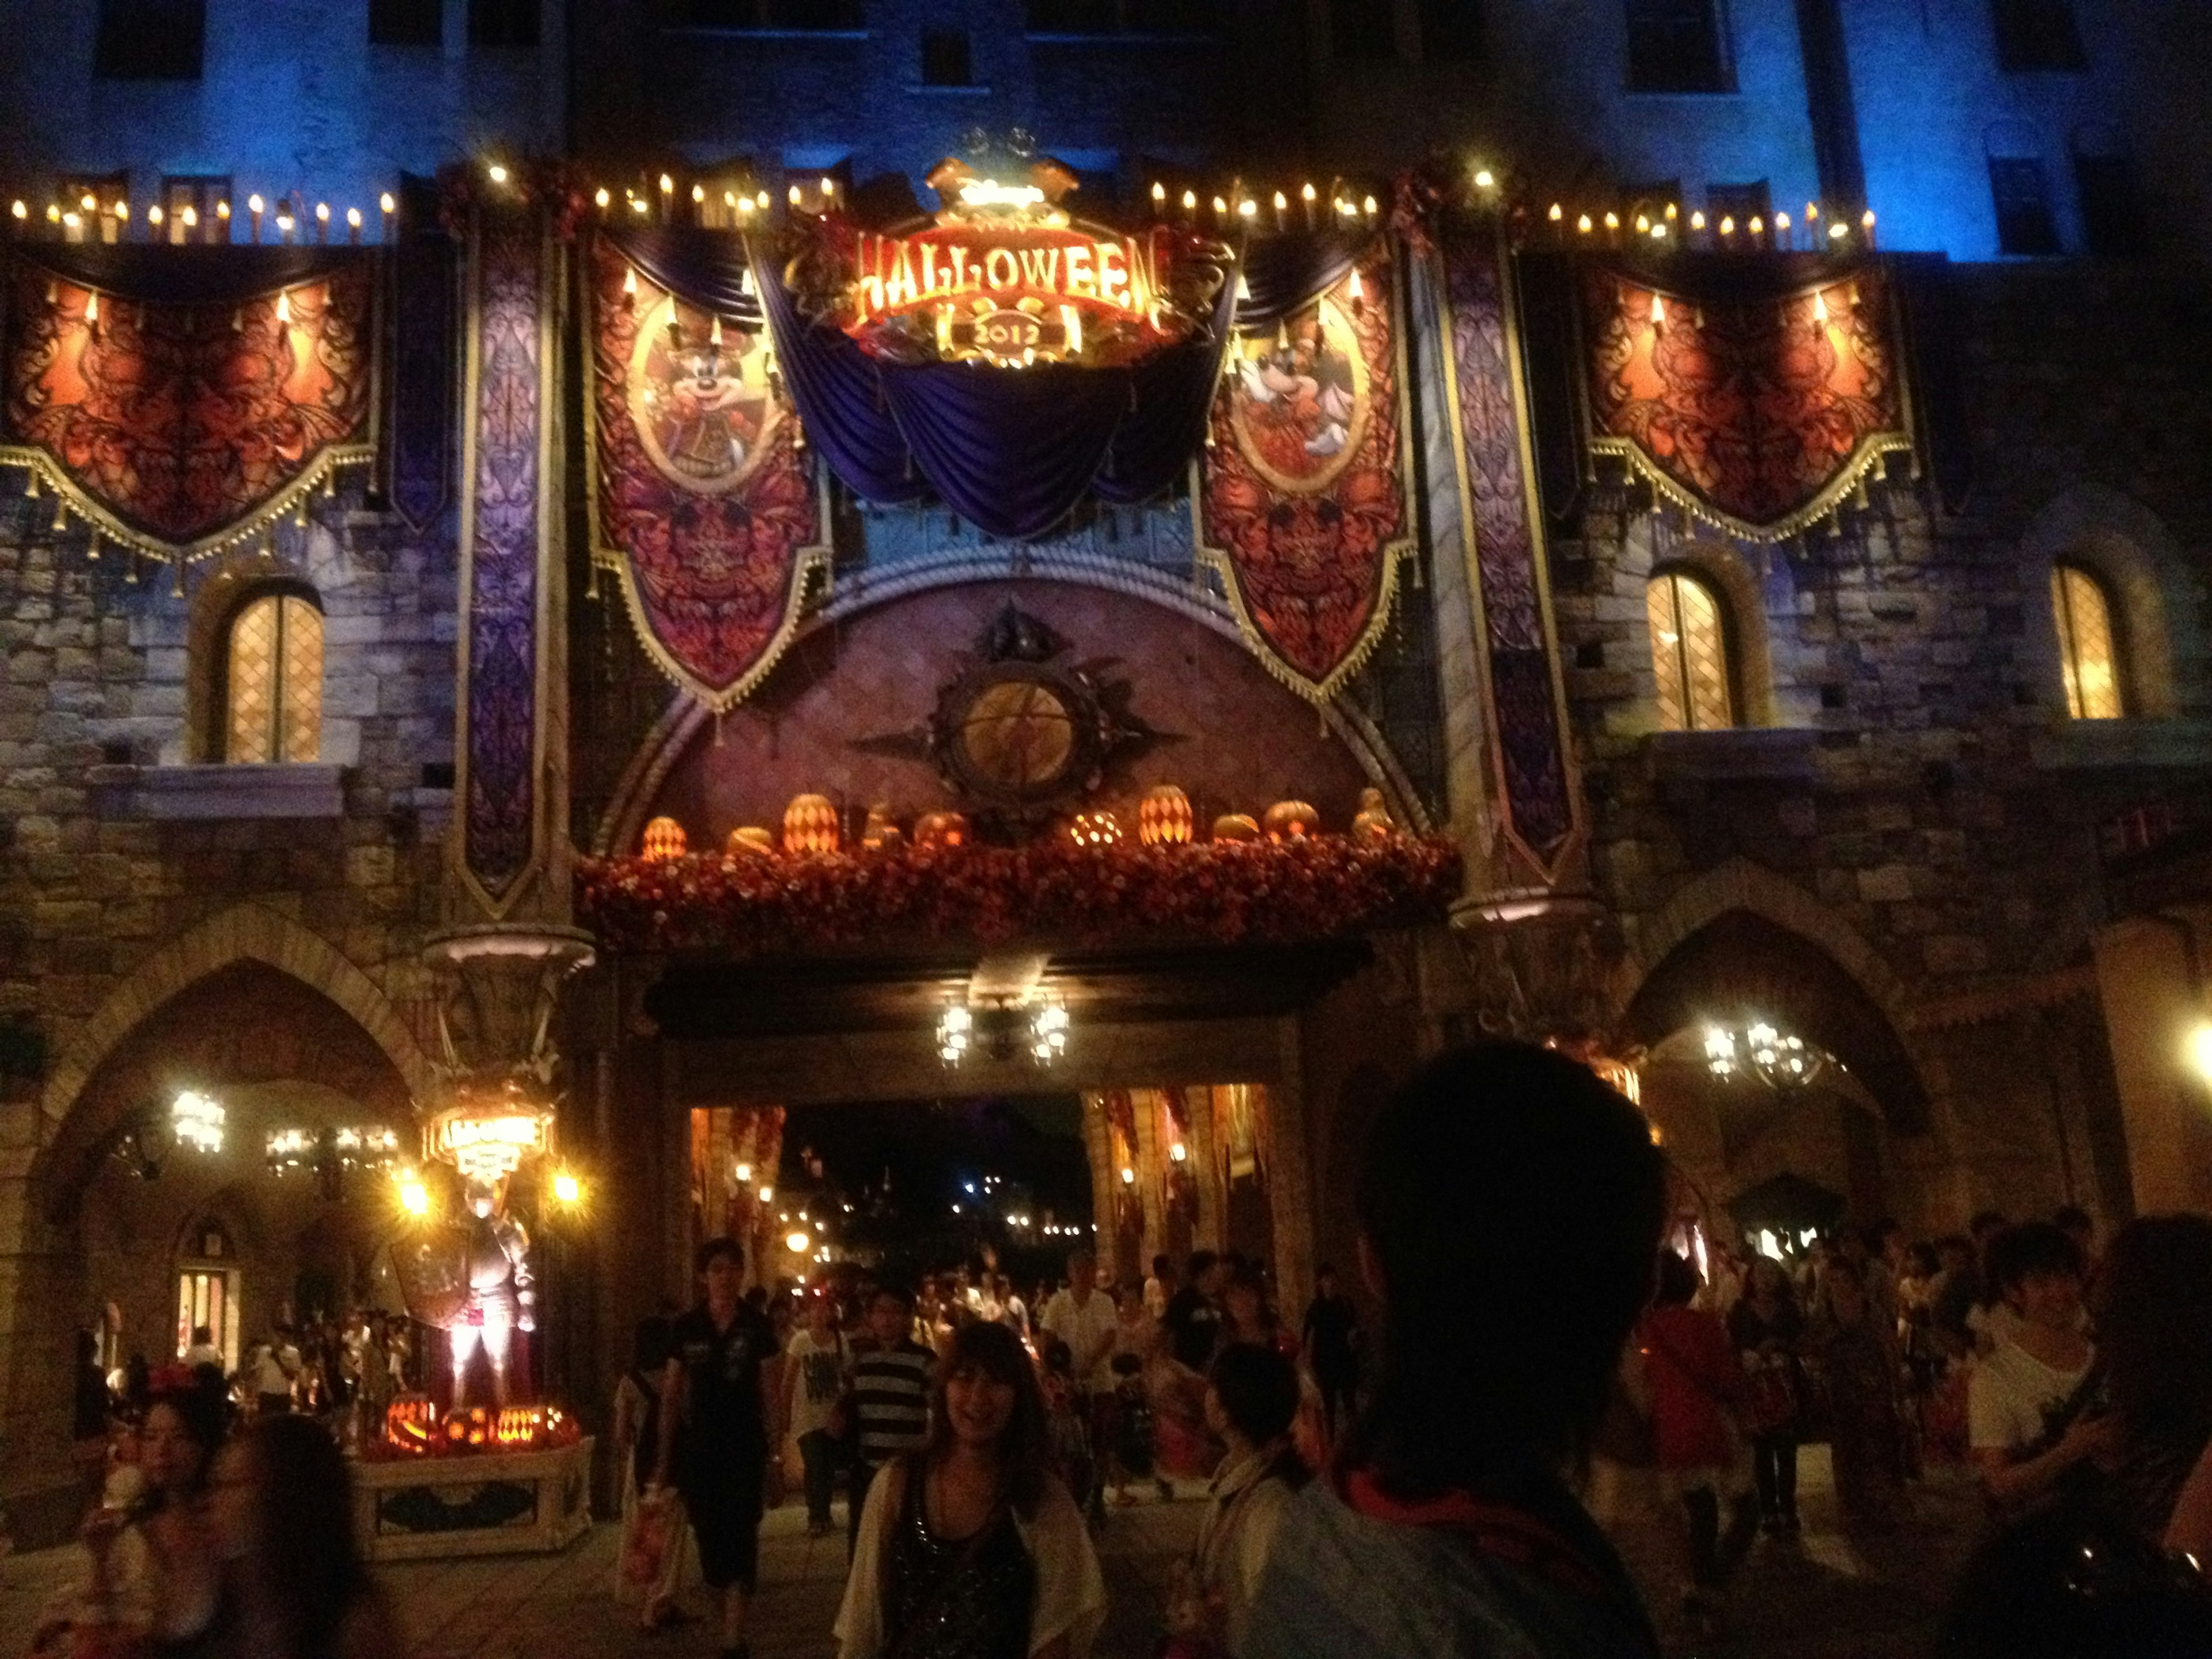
x=1826, y=1598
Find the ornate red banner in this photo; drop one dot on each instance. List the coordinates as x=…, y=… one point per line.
x=703, y=502
x=1760, y=413
x=1304, y=504
x=177, y=425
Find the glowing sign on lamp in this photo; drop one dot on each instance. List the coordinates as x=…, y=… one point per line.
x=490, y=1148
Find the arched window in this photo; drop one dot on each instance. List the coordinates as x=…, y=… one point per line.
x=2088, y=648
x=1689, y=654
x=273, y=679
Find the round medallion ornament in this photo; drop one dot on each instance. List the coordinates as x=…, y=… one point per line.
x=664, y=840
x=1235, y=826
x=1164, y=817
x=941, y=830
x=1292, y=820
x=750, y=842
x=810, y=825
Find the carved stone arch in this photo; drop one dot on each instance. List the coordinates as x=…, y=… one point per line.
x=245, y=933
x=684, y=719
x=1752, y=922
x=2155, y=596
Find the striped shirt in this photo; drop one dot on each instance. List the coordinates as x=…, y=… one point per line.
x=891, y=1400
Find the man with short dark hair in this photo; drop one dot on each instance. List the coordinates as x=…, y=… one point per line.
x=1331, y=1334
x=891, y=1397
x=717, y=1424
x=1448, y=1529
x=2024, y=1382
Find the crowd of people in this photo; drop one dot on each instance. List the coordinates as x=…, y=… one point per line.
x=1418, y=1489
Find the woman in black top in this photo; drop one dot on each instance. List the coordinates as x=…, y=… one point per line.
x=971, y=1548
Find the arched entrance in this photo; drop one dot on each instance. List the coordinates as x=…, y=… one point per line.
x=124, y=1216
x=1735, y=1125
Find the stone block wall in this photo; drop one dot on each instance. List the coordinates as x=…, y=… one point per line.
x=106, y=910
x=1916, y=777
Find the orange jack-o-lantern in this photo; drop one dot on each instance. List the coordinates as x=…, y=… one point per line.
x=1163, y=816
x=1373, y=819
x=882, y=830
x=810, y=825
x=750, y=842
x=664, y=840
x=1292, y=820
x=1235, y=826
x=941, y=830
x=1099, y=828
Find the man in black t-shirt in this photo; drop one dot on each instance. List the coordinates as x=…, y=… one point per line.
x=716, y=1428
x=1194, y=1314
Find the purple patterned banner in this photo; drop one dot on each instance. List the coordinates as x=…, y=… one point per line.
x=502, y=534
x=1539, y=806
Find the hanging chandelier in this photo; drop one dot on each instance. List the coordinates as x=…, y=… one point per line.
x=1037, y=1025
x=1765, y=1054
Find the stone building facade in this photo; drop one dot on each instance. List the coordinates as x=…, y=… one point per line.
x=1900, y=845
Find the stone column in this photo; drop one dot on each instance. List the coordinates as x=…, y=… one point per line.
x=1516, y=790
x=1289, y=1183
x=1151, y=1173
x=2150, y=978
x=1205, y=1170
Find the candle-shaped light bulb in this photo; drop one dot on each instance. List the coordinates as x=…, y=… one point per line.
x=1556, y=213
x=1353, y=289
x=1159, y=192
x=829, y=188
x=1758, y=226
x=1866, y=220
x=1812, y=213
x=761, y=201
x=283, y=308
x=1643, y=224
x=1819, y=306
x=629, y=282
x=1658, y=310
x=639, y=205
x=88, y=203
x=1612, y=220
x=92, y=306
x=600, y=199
x=1659, y=232
x=154, y=215
x=1485, y=178
x=793, y=195
x=1190, y=201
x=668, y=185
x=496, y=173
x=1220, y=207
x=698, y=195
x=1247, y=208
x=385, y=203
x=1369, y=207
x=1697, y=220
x=19, y=210
x=714, y=334
x=1838, y=230
x=730, y=199
x=191, y=217
x=1673, y=212
x=1781, y=223
x=255, y=204
x=1583, y=224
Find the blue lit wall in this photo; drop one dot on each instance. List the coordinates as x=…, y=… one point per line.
x=292, y=97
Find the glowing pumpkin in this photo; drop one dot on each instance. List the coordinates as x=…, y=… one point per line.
x=1373, y=818
x=810, y=825
x=941, y=830
x=1235, y=826
x=750, y=842
x=664, y=840
x=1292, y=820
x=1163, y=816
x=1094, y=829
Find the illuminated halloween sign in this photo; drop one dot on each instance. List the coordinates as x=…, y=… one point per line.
x=1005, y=277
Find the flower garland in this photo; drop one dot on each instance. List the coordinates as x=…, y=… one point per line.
x=1220, y=892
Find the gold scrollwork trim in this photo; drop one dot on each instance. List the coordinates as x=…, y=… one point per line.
x=1871, y=450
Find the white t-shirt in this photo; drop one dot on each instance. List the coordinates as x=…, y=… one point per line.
x=818, y=1372
x=2011, y=1395
x=1087, y=1330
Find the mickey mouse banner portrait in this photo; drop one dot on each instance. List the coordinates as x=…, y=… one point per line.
x=703, y=502
x=1303, y=500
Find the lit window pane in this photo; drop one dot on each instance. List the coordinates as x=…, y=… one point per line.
x=2089, y=657
x=1689, y=655
x=275, y=685
x=302, y=721
x=251, y=726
